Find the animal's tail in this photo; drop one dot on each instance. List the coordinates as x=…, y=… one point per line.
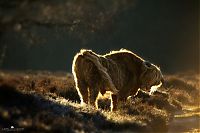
x=88, y=54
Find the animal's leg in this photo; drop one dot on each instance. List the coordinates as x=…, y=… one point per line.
x=122, y=99
x=114, y=102
x=83, y=92
x=93, y=97
x=103, y=91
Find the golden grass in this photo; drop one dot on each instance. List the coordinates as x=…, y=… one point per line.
x=55, y=105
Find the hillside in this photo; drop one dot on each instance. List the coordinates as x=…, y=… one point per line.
x=42, y=101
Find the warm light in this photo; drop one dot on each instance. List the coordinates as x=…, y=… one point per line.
x=154, y=88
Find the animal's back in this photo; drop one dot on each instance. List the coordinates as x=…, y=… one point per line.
x=88, y=69
x=126, y=74
x=125, y=57
x=83, y=68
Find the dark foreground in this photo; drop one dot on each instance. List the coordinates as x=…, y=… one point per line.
x=48, y=102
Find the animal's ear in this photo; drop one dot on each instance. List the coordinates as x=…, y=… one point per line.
x=147, y=64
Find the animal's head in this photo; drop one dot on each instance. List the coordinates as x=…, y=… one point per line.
x=150, y=76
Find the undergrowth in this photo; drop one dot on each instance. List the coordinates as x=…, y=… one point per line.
x=45, y=101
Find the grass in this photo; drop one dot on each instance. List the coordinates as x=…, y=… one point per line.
x=48, y=102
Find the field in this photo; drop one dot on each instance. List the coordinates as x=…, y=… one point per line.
x=42, y=101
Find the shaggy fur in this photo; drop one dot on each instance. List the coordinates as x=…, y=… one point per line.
x=120, y=72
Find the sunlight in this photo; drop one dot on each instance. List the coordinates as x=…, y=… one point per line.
x=190, y=111
x=154, y=88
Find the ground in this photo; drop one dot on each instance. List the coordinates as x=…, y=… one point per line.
x=42, y=101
